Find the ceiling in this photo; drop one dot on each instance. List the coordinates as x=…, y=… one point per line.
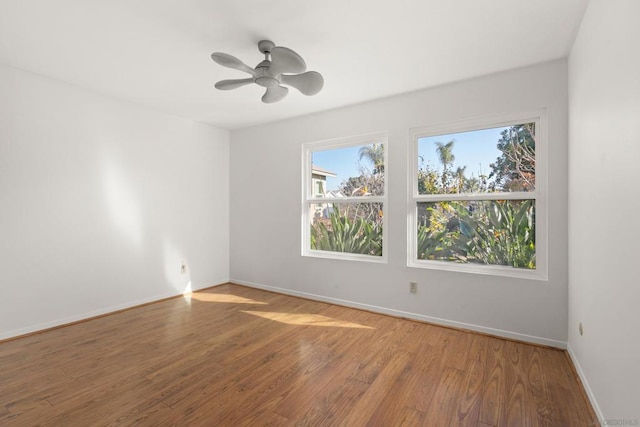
x=157, y=52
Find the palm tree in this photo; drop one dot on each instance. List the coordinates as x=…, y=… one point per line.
x=460, y=178
x=375, y=154
x=445, y=153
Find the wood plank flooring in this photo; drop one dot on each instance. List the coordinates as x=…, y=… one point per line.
x=233, y=356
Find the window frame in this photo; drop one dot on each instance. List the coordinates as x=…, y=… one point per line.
x=539, y=195
x=309, y=199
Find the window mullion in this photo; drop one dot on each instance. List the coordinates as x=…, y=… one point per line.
x=475, y=196
x=371, y=199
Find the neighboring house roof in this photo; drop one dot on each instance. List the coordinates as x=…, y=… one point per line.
x=319, y=171
x=334, y=193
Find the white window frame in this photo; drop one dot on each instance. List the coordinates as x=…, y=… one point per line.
x=539, y=194
x=308, y=197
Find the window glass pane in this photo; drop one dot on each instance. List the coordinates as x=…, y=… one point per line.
x=347, y=227
x=349, y=171
x=488, y=160
x=498, y=232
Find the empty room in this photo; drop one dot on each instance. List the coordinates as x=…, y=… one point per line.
x=355, y=213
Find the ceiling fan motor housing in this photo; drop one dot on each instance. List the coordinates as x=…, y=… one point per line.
x=264, y=78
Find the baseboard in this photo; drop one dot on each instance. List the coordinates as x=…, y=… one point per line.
x=415, y=316
x=41, y=327
x=585, y=383
x=211, y=284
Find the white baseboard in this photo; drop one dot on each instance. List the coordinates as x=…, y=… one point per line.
x=585, y=383
x=88, y=315
x=415, y=316
x=213, y=283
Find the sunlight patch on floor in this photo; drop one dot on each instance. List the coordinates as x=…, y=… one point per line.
x=207, y=297
x=302, y=319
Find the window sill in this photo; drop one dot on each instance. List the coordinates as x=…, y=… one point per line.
x=490, y=270
x=345, y=256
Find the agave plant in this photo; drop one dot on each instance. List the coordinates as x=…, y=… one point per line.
x=497, y=233
x=355, y=236
x=505, y=236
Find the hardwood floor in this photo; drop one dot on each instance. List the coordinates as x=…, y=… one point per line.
x=233, y=356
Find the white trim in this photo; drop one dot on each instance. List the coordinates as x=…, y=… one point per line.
x=349, y=141
x=493, y=270
x=102, y=311
x=405, y=314
x=585, y=383
x=474, y=196
x=308, y=198
x=539, y=195
x=347, y=256
x=480, y=123
x=357, y=199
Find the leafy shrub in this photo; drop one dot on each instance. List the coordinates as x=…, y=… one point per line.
x=484, y=232
x=342, y=234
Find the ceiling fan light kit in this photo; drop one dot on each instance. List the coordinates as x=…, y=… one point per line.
x=281, y=65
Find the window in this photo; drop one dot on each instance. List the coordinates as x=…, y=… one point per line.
x=344, y=198
x=477, y=201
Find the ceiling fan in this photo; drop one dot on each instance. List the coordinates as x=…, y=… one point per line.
x=281, y=65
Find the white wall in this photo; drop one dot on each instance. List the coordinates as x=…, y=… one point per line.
x=266, y=225
x=100, y=202
x=604, y=204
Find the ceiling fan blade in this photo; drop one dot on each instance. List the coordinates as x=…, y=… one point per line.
x=284, y=60
x=274, y=94
x=230, y=61
x=233, y=84
x=308, y=83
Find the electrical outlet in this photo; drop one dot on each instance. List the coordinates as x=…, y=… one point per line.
x=413, y=287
